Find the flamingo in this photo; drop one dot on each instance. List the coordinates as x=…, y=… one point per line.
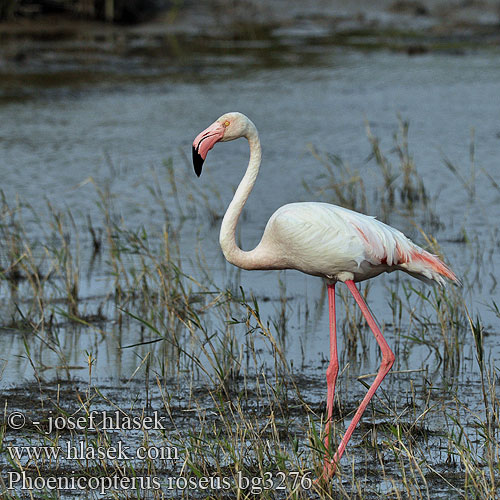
x=320, y=239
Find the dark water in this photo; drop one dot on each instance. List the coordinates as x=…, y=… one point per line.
x=56, y=139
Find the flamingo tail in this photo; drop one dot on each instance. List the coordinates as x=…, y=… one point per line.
x=428, y=267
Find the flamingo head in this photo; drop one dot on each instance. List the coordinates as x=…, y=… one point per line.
x=228, y=127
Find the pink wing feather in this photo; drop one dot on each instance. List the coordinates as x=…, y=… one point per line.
x=392, y=248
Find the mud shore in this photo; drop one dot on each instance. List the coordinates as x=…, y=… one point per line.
x=226, y=19
x=47, y=50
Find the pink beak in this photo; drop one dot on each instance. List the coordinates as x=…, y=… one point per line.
x=204, y=142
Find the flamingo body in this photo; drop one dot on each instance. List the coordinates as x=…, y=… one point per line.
x=334, y=242
x=324, y=240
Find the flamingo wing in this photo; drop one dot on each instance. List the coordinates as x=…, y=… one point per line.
x=325, y=240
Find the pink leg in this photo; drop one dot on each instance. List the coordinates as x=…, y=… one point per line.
x=331, y=375
x=385, y=366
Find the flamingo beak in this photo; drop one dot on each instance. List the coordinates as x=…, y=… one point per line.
x=204, y=142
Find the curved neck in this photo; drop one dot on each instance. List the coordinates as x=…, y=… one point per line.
x=227, y=237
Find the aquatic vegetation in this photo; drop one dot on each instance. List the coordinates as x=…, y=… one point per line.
x=213, y=357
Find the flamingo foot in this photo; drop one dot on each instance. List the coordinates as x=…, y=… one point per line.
x=329, y=464
x=329, y=468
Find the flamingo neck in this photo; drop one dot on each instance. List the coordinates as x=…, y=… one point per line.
x=227, y=237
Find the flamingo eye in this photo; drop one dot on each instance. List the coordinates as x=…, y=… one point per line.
x=226, y=124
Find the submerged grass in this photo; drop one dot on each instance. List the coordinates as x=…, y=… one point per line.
x=240, y=421
x=395, y=186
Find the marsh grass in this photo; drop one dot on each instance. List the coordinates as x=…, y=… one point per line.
x=212, y=359
x=340, y=181
x=396, y=184
x=468, y=181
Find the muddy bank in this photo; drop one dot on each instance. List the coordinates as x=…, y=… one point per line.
x=223, y=17
x=51, y=45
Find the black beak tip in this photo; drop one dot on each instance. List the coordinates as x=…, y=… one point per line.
x=197, y=162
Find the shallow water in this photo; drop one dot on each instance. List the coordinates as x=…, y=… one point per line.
x=57, y=139
x=122, y=128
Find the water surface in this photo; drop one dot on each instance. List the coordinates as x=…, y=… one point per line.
x=60, y=137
